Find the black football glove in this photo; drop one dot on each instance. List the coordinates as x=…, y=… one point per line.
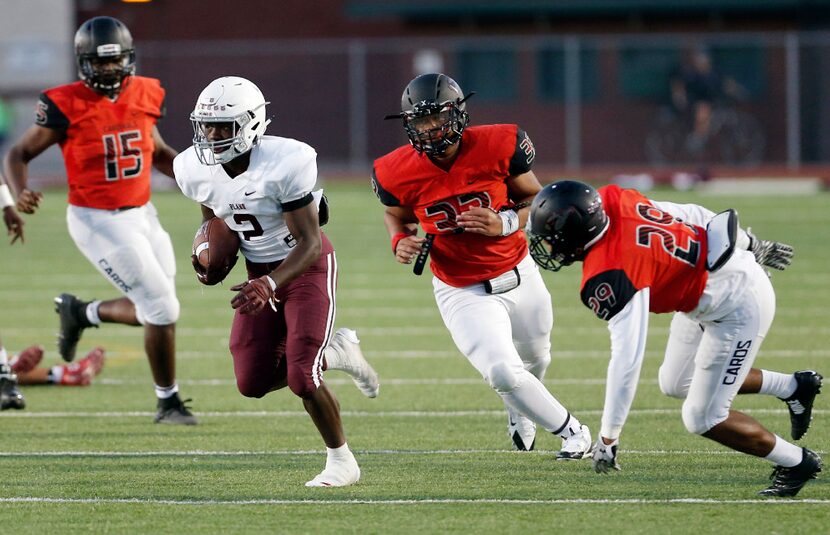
x=773, y=254
x=254, y=295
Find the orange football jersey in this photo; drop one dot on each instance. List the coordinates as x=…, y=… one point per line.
x=643, y=248
x=108, y=145
x=487, y=157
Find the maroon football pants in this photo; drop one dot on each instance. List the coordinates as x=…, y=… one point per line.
x=272, y=349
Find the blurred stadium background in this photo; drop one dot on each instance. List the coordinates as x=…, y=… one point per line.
x=588, y=79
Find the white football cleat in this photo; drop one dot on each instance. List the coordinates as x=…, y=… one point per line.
x=337, y=474
x=577, y=446
x=521, y=430
x=344, y=354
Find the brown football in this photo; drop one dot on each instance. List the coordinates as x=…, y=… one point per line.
x=216, y=247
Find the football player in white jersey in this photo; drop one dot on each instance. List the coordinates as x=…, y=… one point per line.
x=282, y=334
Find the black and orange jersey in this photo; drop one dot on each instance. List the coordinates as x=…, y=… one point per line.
x=643, y=248
x=489, y=155
x=108, y=145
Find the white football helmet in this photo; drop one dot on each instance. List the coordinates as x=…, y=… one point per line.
x=229, y=99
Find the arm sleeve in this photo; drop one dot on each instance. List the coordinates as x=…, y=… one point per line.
x=607, y=293
x=47, y=114
x=698, y=215
x=523, y=154
x=629, y=330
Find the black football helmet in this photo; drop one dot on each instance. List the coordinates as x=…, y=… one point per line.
x=566, y=218
x=105, y=54
x=433, y=113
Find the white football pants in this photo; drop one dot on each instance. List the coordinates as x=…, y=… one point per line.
x=134, y=253
x=506, y=337
x=712, y=348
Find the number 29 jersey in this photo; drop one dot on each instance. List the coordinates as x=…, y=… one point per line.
x=644, y=247
x=108, y=145
x=489, y=155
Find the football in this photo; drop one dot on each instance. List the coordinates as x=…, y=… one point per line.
x=215, y=249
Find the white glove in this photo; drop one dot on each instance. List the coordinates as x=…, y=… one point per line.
x=605, y=456
x=772, y=254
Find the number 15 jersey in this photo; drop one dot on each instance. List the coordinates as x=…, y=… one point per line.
x=108, y=145
x=644, y=247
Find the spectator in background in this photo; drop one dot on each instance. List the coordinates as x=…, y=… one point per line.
x=696, y=88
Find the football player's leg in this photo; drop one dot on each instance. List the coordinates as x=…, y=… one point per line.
x=309, y=308
x=10, y=395
x=727, y=351
x=480, y=327
x=257, y=345
x=531, y=317
x=678, y=365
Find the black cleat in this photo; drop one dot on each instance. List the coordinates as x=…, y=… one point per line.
x=10, y=396
x=72, y=312
x=786, y=482
x=800, y=404
x=174, y=411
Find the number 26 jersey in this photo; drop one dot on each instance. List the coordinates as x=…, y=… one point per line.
x=108, y=144
x=644, y=248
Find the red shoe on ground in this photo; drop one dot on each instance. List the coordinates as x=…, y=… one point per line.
x=82, y=372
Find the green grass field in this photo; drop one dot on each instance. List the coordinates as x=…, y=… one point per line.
x=433, y=447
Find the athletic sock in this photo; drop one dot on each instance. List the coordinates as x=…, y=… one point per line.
x=571, y=427
x=4, y=357
x=341, y=453
x=785, y=453
x=55, y=375
x=92, y=313
x=167, y=392
x=533, y=400
x=782, y=385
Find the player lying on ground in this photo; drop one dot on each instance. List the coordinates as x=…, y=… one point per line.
x=26, y=365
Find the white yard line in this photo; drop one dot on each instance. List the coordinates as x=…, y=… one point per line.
x=243, y=453
x=352, y=414
x=423, y=501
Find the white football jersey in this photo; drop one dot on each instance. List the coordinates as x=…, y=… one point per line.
x=281, y=170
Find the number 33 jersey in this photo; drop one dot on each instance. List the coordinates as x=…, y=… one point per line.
x=644, y=248
x=280, y=178
x=488, y=157
x=108, y=145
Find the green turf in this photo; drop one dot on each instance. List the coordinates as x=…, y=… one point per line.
x=432, y=448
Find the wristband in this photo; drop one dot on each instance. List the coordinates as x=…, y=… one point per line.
x=509, y=222
x=6, y=199
x=271, y=283
x=396, y=238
